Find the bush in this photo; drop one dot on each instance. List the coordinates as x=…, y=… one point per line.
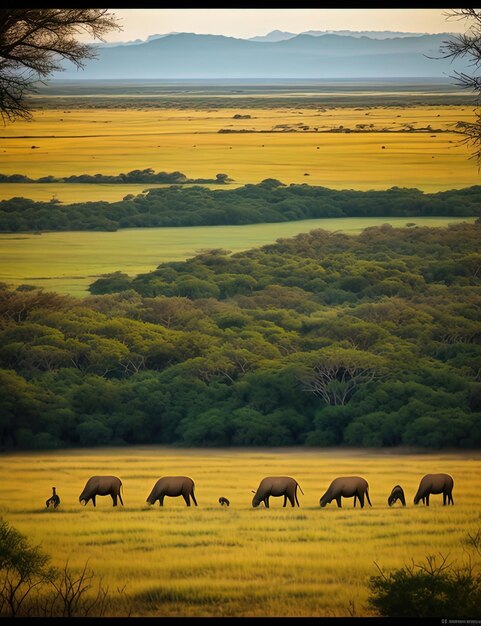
x=434, y=588
x=29, y=586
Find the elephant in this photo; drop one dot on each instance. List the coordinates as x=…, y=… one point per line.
x=346, y=487
x=276, y=486
x=102, y=486
x=397, y=493
x=54, y=500
x=172, y=486
x=224, y=501
x=434, y=484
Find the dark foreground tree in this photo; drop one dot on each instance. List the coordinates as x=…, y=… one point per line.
x=32, y=44
x=468, y=45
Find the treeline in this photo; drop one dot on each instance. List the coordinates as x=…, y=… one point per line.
x=147, y=176
x=323, y=339
x=268, y=201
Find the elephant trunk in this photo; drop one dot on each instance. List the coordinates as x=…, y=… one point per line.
x=326, y=499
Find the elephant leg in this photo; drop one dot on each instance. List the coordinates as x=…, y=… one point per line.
x=451, y=498
x=295, y=495
x=291, y=499
x=194, y=500
x=120, y=498
x=355, y=498
x=161, y=500
x=285, y=500
x=114, y=498
x=186, y=498
x=360, y=495
x=266, y=502
x=338, y=500
x=427, y=500
x=93, y=500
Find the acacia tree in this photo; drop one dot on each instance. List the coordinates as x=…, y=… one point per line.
x=33, y=42
x=468, y=45
x=334, y=374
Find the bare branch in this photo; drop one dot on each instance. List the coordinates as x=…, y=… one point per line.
x=33, y=42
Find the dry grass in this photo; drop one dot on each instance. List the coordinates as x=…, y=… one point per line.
x=240, y=561
x=110, y=141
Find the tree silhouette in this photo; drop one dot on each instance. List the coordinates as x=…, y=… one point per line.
x=32, y=44
x=468, y=45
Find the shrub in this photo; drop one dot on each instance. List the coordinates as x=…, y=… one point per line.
x=29, y=586
x=435, y=588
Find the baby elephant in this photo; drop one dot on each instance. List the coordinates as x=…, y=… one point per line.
x=276, y=486
x=173, y=486
x=397, y=493
x=434, y=484
x=224, y=501
x=54, y=500
x=346, y=487
x=102, y=486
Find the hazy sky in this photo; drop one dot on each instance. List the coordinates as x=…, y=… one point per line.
x=140, y=23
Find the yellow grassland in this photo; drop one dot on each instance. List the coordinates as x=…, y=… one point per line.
x=240, y=561
x=110, y=141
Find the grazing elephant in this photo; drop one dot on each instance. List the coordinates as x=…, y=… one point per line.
x=102, y=486
x=434, y=484
x=397, y=493
x=172, y=486
x=54, y=500
x=224, y=501
x=346, y=487
x=276, y=486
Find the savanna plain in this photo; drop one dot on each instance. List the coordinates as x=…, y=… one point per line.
x=211, y=560
x=239, y=561
x=358, y=145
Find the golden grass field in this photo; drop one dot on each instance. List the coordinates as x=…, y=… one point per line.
x=63, y=261
x=111, y=141
x=211, y=561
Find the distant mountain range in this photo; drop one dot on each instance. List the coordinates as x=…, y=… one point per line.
x=282, y=35
x=318, y=55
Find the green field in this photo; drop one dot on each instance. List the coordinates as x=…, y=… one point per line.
x=209, y=561
x=67, y=262
x=239, y=562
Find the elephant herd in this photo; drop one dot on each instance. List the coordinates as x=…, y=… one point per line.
x=270, y=486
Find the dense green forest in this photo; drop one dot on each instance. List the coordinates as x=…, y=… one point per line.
x=268, y=201
x=323, y=339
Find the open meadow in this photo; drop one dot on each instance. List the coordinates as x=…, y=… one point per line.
x=212, y=561
x=352, y=147
x=239, y=561
x=63, y=261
